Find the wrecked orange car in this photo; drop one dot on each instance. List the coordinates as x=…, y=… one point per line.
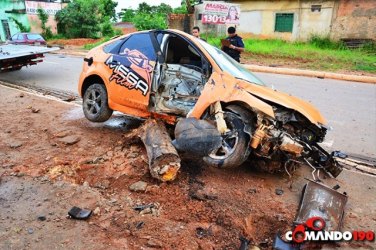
x=171, y=75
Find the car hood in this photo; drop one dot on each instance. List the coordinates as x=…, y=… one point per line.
x=288, y=101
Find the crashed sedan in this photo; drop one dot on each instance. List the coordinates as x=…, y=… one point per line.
x=175, y=77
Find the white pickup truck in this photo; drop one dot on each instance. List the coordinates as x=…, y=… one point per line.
x=14, y=57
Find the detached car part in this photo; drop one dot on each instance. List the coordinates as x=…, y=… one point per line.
x=321, y=201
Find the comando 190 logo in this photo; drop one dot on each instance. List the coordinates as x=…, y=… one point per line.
x=313, y=230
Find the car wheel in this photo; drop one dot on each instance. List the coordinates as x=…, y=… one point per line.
x=235, y=145
x=95, y=103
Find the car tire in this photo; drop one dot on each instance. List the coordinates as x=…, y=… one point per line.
x=95, y=103
x=235, y=147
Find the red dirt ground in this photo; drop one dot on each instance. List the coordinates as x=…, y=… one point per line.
x=204, y=208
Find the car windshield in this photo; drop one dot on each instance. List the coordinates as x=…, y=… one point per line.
x=34, y=37
x=226, y=63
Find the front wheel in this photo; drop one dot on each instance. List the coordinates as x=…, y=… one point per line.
x=235, y=145
x=95, y=103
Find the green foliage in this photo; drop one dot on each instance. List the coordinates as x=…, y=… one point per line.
x=324, y=42
x=152, y=17
x=107, y=8
x=20, y=26
x=370, y=47
x=313, y=57
x=106, y=28
x=81, y=18
x=43, y=17
x=144, y=21
x=127, y=15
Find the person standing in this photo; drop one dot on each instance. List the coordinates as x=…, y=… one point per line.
x=233, y=44
x=196, y=33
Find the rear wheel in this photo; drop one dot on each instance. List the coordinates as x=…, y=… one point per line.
x=235, y=145
x=95, y=103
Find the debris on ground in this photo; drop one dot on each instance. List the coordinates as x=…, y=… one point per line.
x=164, y=161
x=44, y=175
x=244, y=243
x=69, y=140
x=79, y=213
x=139, y=186
x=278, y=191
x=322, y=201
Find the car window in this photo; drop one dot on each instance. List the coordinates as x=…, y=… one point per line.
x=226, y=63
x=114, y=46
x=20, y=37
x=139, y=43
x=15, y=37
x=34, y=36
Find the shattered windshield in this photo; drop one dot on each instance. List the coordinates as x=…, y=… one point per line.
x=226, y=63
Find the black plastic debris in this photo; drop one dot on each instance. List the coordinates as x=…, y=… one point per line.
x=336, y=187
x=278, y=191
x=197, y=137
x=244, y=243
x=79, y=213
x=202, y=232
x=143, y=207
x=41, y=217
x=280, y=244
x=140, y=224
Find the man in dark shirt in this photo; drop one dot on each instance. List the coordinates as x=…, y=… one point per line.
x=235, y=44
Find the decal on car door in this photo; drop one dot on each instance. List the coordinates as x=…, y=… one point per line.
x=128, y=68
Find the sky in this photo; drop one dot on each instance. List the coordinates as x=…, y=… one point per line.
x=134, y=3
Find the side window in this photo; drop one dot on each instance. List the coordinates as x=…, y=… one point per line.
x=20, y=37
x=15, y=37
x=139, y=43
x=113, y=47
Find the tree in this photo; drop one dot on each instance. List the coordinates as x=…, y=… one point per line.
x=144, y=8
x=108, y=8
x=127, y=15
x=81, y=18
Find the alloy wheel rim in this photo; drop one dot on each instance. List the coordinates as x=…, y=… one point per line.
x=93, y=102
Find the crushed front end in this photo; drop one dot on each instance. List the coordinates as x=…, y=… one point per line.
x=291, y=138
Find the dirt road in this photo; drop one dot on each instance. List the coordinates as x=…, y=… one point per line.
x=51, y=158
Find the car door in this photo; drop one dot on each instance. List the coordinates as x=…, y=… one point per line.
x=21, y=39
x=132, y=72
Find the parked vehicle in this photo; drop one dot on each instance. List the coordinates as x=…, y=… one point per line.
x=14, y=57
x=171, y=75
x=27, y=39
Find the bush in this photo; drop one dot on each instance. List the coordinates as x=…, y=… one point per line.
x=86, y=19
x=324, y=42
x=107, y=29
x=144, y=21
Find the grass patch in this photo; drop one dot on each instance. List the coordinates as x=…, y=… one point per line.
x=93, y=45
x=318, y=53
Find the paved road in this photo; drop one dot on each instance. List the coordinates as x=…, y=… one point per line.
x=349, y=107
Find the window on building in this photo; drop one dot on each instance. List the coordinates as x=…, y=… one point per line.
x=316, y=8
x=284, y=22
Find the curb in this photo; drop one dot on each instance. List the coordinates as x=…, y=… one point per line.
x=70, y=53
x=311, y=73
